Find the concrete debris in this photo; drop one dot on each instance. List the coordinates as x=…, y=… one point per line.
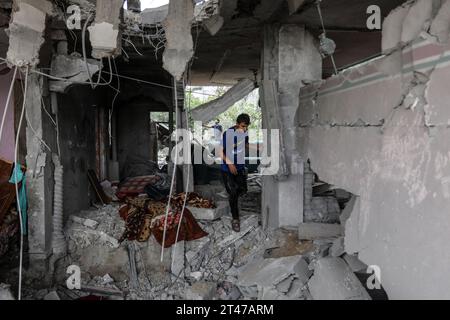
x=337, y=249
x=201, y=291
x=85, y=222
x=312, y=231
x=268, y=275
x=179, y=46
x=26, y=31
x=334, y=280
x=5, y=292
x=104, y=32
x=222, y=208
x=212, y=109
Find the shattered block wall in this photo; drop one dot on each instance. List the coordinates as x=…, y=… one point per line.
x=381, y=130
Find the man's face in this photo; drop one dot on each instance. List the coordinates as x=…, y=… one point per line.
x=242, y=127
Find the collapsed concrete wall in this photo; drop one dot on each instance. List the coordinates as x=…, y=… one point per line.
x=380, y=130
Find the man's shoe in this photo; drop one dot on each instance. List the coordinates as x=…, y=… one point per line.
x=236, y=225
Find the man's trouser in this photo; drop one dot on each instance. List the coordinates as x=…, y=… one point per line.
x=236, y=186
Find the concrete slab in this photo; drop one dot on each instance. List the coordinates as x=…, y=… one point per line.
x=334, y=280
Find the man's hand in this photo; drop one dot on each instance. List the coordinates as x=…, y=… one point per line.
x=233, y=169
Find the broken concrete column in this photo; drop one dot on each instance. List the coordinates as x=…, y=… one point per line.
x=210, y=110
x=290, y=59
x=179, y=46
x=104, y=32
x=334, y=280
x=26, y=31
x=39, y=176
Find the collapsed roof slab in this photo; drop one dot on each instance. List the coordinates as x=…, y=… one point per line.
x=210, y=110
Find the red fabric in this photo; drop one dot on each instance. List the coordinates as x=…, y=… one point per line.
x=190, y=230
x=133, y=187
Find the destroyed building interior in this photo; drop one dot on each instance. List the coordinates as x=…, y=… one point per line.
x=357, y=207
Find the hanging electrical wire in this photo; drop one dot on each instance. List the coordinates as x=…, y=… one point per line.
x=187, y=113
x=83, y=40
x=327, y=46
x=16, y=151
x=174, y=169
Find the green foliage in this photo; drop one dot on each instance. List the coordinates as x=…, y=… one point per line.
x=249, y=105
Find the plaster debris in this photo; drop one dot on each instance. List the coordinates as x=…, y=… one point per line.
x=334, y=280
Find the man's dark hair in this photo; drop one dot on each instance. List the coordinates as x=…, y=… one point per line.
x=243, y=118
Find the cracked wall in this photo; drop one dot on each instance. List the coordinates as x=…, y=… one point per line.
x=380, y=130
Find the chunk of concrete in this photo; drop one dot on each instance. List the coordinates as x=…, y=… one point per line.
x=337, y=248
x=85, y=222
x=270, y=272
x=201, y=291
x=5, y=292
x=313, y=231
x=354, y=263
x=222, y=208
x=334, y=280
